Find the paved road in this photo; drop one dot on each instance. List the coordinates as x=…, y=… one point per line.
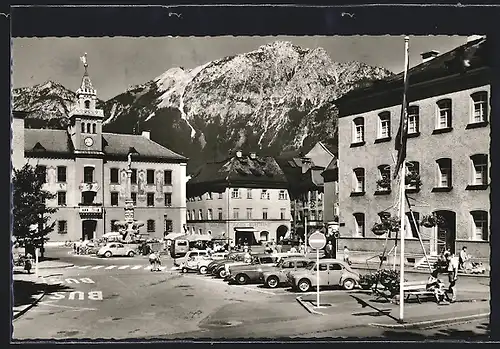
x=119, y=298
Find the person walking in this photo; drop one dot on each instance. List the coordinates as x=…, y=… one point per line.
x=463, y=257
x=452, y=275
x=153, y=260
x=329, y=250
x=346, y=256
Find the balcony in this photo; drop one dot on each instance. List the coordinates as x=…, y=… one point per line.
x=91, y=186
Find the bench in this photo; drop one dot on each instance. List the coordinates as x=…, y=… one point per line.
x=417, y=289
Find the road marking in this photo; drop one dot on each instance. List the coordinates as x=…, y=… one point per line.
x=85, y=267
x=163, y=268
x=98, y=267
x=49, y=303
x=110, y=267
x=148, y=267
x=136, y=267
x=123, y=267
x=71, y=267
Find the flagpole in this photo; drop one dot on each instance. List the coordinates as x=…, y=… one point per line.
x=402, y=186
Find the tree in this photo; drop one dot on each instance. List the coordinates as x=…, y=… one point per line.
x=30, y=209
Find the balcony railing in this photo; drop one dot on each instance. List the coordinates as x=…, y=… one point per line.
x=91, y=186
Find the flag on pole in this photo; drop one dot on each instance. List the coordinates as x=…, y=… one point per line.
x=402, y=135
x=84, y=58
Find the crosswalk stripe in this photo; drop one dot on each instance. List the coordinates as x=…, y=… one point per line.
x=85, y=267
x=71, y=267
x=148, y=267
x=136, y=267
x=163, y=268
x=98, y=267
x=123, y=267
x=110, y=267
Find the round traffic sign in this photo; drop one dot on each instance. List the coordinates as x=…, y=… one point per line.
x=317, y=240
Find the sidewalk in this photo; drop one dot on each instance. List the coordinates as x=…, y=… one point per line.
x=469, y=306
x=28, y=290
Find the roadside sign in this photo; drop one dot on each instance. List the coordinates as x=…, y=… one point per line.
x=317, y=240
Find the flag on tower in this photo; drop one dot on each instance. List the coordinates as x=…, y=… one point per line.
x=84, y=58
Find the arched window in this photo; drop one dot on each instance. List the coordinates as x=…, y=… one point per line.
x=94, y=128
x=479, y=107
x=479, y=169
x=88, y=128
x=444, y=173
x=480, y=228
x=413, y=119
x=359, y=224
x=87, y=104
x=443, y=114
x=83, y=127
x=359, y=180
x=358, y=130
x=384, y=125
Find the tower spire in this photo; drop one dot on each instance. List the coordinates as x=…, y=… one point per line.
x=86, y=87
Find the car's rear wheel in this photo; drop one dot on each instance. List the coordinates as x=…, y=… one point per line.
x=272, y=282
x=203, y=270
x=349, y=284
x=304, y=285
x=107, y=254
x=242, y=279
x=184, y=270
x=131, y=254
x=222, y=273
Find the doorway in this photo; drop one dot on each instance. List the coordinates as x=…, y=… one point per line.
x=446, y=233
x=243, y=237
x=281, y=232
x=88, y=229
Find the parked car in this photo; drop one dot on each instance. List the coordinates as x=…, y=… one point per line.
x=245, y=273
x=332, y=272
x=189, y=254
x=221, y=269
x=191, y=264
x=204, y=262
x=278, y=275
x=216, y=263
x=115, y=249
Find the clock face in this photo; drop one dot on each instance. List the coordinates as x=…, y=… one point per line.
x=89, y=141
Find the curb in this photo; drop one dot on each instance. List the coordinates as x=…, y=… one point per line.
x=29, y=306
x=62, y=266
x=308, y=308
x=433, y=323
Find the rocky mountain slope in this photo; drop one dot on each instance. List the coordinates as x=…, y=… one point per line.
x=279, y=97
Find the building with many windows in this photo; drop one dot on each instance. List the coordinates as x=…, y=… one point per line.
x=447, y=149
x=243, y=198
x=87, y=169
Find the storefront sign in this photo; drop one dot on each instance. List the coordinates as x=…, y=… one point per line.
x=91, y=209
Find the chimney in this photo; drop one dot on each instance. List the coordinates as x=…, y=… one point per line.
x=146, y=134
x=239, y=154
x=430, y=55
x=253, y=155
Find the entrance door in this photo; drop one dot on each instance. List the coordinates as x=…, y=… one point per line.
x=245, y=236
x=88, y=229
x=281, y=232
x=446, y=233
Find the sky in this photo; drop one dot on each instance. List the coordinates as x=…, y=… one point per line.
x=117, y=63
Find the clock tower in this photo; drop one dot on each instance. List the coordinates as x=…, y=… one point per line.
x=85, y=126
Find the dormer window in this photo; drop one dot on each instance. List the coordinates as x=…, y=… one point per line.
x=87, y=104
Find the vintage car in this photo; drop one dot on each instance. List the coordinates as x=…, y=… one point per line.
x=278, y=275
x=245, y=273
x=332, y=272
x=205, y=261
x=222, y=268
x=191, y=264
x=116, y=249
x=189, y=254
x=232, y=256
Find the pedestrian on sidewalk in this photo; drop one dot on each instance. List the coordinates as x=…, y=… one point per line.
x=329, y=249
x=153, y=260
x=452, y=275
x=346, y=256
x=463, y=257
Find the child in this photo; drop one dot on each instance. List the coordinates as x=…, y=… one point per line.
x=153, y=260
x=437, y=286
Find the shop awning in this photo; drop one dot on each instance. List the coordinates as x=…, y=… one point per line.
x=173, y=236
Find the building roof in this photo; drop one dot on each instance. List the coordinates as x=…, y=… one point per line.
x=300, y=181
x=472, y=55
x=262, y=171
x=114, y=144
